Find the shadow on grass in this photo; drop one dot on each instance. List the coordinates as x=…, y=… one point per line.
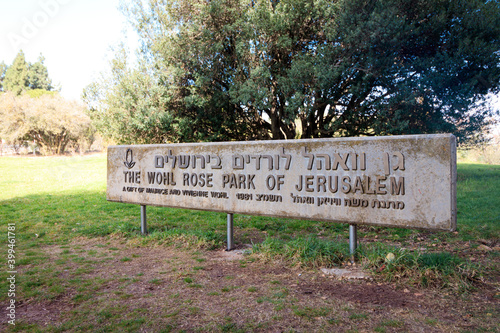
x=50, y=217
x=47, y=218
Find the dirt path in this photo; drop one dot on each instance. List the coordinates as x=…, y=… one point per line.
x=116, y=286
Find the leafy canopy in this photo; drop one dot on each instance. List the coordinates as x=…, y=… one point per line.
x=246, y=69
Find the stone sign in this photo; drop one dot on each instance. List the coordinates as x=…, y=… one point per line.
x=399, y=181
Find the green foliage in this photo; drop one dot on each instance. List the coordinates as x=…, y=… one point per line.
x=129, y=105
x=306, y=250
x=3, y=68
x=23, y=76
x=311, y=313
x=38, y=76
x=442, y=261
x=35, y=93
x=16, y=75
x=435, y=269
x=240, y=69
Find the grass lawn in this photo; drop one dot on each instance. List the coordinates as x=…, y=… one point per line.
x=76, y=251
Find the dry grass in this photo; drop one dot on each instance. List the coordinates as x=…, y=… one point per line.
x=163, y=289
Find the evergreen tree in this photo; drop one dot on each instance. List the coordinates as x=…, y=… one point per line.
x=22, y=75
x=16, y=76
x=3, y=68
x=38, y=76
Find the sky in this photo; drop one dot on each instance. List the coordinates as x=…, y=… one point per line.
x=74, y=36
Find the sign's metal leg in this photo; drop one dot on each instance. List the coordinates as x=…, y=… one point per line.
x=144, y=227
x=230, y=238
x=353, y=240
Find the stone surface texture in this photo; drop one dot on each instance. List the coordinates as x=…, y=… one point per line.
x=348, y=274
x=400, y=181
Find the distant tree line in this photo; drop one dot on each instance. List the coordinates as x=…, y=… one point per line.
x=22, y=76
x=32, y=111
x=284, y=69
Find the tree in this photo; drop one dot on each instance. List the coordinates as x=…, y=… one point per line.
x=3, y=68
x=16, y=75
x=38, y=75
x=128, y=105
x=50, y=120
x=245, y=69
x=22, y=75
x=422, y=67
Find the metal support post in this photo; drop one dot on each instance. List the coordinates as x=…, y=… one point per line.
x=353, y=240
x=230, y=239
x=144, y=227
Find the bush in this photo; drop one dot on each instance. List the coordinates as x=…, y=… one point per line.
x=46, y=119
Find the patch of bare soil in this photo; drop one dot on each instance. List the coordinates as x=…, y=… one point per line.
x=167, y=289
